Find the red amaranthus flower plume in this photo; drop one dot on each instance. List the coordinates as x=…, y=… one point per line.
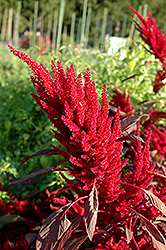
x=93, y=142
x=152, y=36
x=84, y=127
x=122, y=101
x=156, y=40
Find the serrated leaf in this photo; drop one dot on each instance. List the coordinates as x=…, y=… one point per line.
x=74, y=244
x=9, y=218
x=75, y=223
x=46, y=151
x=156, y=202
x=91, y=210
x=27, y=178
x=52, y=229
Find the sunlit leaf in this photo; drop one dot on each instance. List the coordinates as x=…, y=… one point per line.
x=114, y=109
x=161, y=221
x=130, y=137
x=156, y=202
x=75, y=223
x=91, y=209
x=52, y=229
x=128, y=235
x=130, y=123
x=146, y=106
x=157, y=244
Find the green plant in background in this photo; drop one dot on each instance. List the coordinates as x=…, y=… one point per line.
x=23, y=126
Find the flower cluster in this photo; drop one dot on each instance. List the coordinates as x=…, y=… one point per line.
x=122, y=101
x=93, y=141
x=152, y=36
x=83, y=127
x=156, y=40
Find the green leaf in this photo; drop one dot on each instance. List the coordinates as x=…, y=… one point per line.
x=9, y=218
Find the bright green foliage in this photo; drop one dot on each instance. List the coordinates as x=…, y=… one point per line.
x=111, y=70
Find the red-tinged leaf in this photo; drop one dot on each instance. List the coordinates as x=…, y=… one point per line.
x=130, y=123
x=61, y=152
x=158, y=83
x=75, y=223
x=114, y=109
x=74, y=244
x=131, y=77
x=26, y=179
x=151, y=228
x=146, y=106
x=130, y=137
x=91, y=209
x=46, y=151
x=157, y=244
x=52, y=229
x=59, y=190
x=58, y=163
x=129, y=235
x=156, y=202
x=157, y=115
x=161, y=221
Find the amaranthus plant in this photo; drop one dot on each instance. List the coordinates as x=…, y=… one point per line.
x=115, y=205
x=156, y=40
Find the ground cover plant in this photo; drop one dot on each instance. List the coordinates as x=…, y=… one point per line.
x=119, y=200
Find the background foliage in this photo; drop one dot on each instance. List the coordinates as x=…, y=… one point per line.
x=116, y=10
